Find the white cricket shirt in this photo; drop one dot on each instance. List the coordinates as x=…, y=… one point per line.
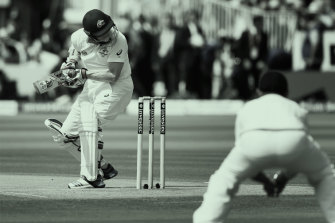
x=270, y=112
x=95, y=57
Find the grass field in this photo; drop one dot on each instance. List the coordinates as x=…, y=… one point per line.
x=34, y=175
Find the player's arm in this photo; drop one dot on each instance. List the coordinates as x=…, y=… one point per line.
x=77, y=77
x=69, y=68
x=74, y=55
x=72, y=59
x=112, y=75
x=115, y=62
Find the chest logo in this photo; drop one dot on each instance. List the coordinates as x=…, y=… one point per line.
x=100, y=23
x=119, y=52
x=103, y=52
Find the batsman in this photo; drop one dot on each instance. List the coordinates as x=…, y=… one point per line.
x=107, y=90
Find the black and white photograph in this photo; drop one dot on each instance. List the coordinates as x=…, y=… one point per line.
x=167, y=111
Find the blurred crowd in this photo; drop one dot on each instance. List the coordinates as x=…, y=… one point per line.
x=170, y=58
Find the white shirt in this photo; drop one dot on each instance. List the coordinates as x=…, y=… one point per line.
x=270, y=112
x=95, y=57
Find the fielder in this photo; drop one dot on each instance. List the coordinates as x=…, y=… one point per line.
x=107, y=90
x=270, y=131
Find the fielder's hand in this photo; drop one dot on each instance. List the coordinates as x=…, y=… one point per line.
x=74, y=77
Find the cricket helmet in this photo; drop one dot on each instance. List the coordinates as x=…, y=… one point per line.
x=96, y=23
x=273, y=82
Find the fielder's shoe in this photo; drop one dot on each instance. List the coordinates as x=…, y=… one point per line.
x=82, y=182
x=280, y=181
x=269, y=188
x=109, y=172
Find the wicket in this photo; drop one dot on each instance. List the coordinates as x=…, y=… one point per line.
x=151, y=141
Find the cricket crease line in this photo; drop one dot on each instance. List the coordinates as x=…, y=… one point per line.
x=15, y=194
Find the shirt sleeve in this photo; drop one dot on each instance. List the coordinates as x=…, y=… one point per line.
x=119, y=51
x=74, y=52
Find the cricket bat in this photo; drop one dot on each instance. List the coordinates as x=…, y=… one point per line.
x=48, y=83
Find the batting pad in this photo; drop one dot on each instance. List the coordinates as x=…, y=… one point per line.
x=88, y=132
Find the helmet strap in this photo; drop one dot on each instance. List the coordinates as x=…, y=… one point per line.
x=93, y=39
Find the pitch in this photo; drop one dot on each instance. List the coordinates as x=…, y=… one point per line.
x=34, y=174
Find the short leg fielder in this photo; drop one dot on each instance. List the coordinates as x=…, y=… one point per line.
x=255, y=152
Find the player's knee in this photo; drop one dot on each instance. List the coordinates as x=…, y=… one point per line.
x=89, y=119
x=89, y=125
x=105, y=117
x=223, y=182
x=69, y=131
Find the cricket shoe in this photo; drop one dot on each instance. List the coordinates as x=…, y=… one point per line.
x=55, y=128
x=280, y=181
x=269, y=189
x=82, y=182
x=109, y=172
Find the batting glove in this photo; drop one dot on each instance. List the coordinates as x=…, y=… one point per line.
x=66, y=67
x=74, y=77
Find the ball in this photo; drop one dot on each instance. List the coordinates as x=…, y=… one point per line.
x=158, y=185
x=146, y=186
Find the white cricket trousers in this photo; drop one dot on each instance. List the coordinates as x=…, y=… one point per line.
x=255, y=151
x=108, y=102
